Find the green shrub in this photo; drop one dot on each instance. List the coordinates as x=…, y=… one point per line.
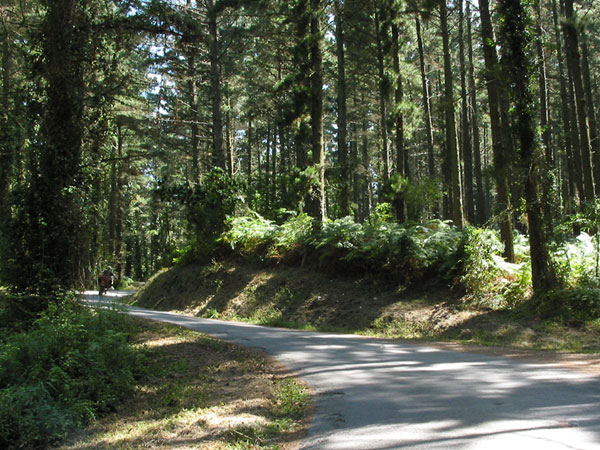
x=70, y=366
x=342, y=233
x=249, y=233
x=489, y=280
x=31, y=417
x=572, y=306
x=381, y=247
x=576, y=260
x=295, y=232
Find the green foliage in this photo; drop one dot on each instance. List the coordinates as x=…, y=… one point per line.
x=490, y=281
x=207, y=203
x=380, y=247
x=573, y=306
x=341, y=233
x=248, y=233
x=579, y=258
x=421, y=196
x=292, y=397
x=577, y=261
x=253, y=233
x=70, y=366
x=292, y=233
x=29, y=416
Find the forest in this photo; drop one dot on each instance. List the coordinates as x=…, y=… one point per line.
x=131, y=130
x=411, y=140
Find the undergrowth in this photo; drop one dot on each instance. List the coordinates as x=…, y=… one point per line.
x=470, y=259
x=69, y=366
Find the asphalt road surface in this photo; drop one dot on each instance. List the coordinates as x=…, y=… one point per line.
x=382, y=394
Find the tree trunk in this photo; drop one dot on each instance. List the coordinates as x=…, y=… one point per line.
x=574, y=64
x=366, y=181
x=499, y=147
x=267, y=181
x=450, y=125
x=57, y=212
x=274, y=166
x=219, y=159
x=341, y=117
x=228, y=140
x=543, y=88
x=569, y=188
x=591, y=111
x=426, y=102
x=302, y=138
x=401, y=157
x=249, y=152
x=515, y=37
x=481, y=204
x=467, y=151
x=7, y=139
x=383, y=91
x=194, y=119
x=317, y=209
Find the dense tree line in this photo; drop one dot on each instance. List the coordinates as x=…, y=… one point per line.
x=131, y=128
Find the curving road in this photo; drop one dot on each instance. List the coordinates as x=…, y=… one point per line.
x=381, y=394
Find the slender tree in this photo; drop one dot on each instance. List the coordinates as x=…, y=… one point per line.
x=426, y=101
x=499, y=143
x=452, y=154
x=478, y=164
x=342, y=124
x=467, y=150
x=401, y=153
x=219, y=157
x=514, y=38
x=574, y=65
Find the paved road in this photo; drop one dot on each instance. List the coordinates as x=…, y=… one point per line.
x=380, y=394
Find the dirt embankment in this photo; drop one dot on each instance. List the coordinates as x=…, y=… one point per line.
x=301, y=298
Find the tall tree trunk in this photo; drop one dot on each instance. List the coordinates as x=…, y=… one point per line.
x=481, y=204
x=401, y=157
x=317, y=209
x=499, y=145
x=273, y=182
x=228, y=140
x=354, y=164
x=569, y=188
x=118, y=207
x=426, y=102
x=450, y=125
x=574, y=64
x=114, y=195
x=543, y=88
x=54, y=205
x=194, y=118
x=219, y=159
x=514, y=39
x=301, y=58
x=383, y=92
x=591, y=111
x=467, y=151
x=249, y=152
x=267, y=181
x=341, y=117
x=366, y=181
x=7, y=139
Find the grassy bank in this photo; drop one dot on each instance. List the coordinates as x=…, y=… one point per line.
x=269, y=294
x=202, y=393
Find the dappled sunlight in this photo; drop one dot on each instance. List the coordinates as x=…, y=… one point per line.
x=385, y=394
x=449, y=434
x=231, y=415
